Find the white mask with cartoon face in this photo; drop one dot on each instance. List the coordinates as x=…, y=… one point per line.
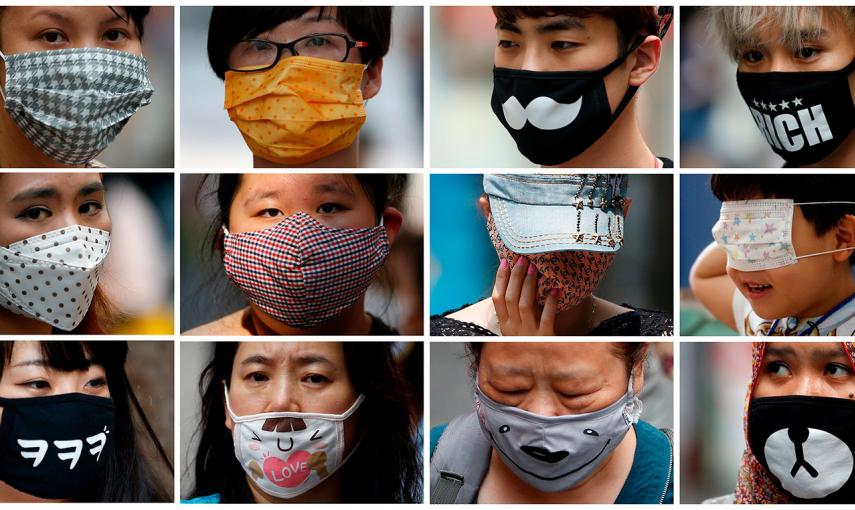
x=286, y=454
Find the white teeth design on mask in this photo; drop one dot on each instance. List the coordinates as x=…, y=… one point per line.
x=810, y=463
x=542, y=112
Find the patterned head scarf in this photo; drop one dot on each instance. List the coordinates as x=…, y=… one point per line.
x=755, y=483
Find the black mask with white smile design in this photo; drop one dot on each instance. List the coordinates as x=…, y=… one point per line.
x=554, y=116
x=807, y=444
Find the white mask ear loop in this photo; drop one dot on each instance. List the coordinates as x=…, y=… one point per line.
x=829, y=251
x=2, y=91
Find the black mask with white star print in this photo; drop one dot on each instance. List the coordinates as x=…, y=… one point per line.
x=807, y=444
x=804, y=116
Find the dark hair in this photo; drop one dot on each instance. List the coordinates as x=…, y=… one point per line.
x=799, y=188
x=631, y=21
x=230, y=25
x=128, y=476
x=383, y=190
x=385, y=468
x=137, y=14
x=632, y=353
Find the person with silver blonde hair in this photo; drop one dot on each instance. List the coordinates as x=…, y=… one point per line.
x=795, y=73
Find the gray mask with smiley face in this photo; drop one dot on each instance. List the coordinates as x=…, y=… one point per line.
x=555, y=453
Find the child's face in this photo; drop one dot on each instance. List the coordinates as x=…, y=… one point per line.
x=563, y=43
x=799, y=289
x=834, y=49
x=263, y=200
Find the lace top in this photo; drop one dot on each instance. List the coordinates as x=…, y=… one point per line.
x=636, y=322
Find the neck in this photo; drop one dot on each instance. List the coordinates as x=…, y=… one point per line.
x=602, y=486
x=577, y=320
x=622, y=146
x=329, y=491
x=353, y=321
x=842, y=157
x=12, y=323
x=9, y=494
x=16, y=150
x=346, y=158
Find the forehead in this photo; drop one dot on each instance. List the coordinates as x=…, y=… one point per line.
x=547, y=357
x=13, y=183
x=67, y=13
x=298, y=183
x=806, y=352
x=288, y=352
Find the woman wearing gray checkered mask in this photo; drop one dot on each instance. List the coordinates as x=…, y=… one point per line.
x=72, y=77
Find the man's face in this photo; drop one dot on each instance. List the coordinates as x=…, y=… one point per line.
x=828, y=47
x=564, y=43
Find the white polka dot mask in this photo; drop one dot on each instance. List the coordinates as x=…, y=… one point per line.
x=52, y=277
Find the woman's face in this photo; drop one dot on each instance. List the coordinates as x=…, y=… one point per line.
x=32, y=204
x=27, y=29
x=28, y=375
x=263, y=200
x=317, y=20
x=554, y=379
x=802, y=368
x=301, y=377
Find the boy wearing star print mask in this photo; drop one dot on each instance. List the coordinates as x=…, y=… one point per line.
x=796, y=74
x=781, y=262
x=565, y=78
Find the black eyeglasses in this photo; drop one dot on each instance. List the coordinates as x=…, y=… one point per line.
x=261, y=54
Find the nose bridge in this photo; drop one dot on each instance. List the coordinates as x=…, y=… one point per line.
x=543, y=403
x=781, y=61
x=532, y=58
x=810, y=384
x=285, y=395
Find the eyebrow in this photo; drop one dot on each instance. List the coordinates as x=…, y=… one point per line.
x=31, y=363
x=261, y=195
x=53, y=15
x=553, y=25
x=509, y=370
x=305, y=359
x=332, y=187
x=816, y=355
x=50, y=192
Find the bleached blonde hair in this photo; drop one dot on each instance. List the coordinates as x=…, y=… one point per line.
x=740, y=26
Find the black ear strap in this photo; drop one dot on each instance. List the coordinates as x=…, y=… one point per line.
x=666, y=16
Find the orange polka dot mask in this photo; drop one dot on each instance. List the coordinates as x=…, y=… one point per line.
x=299, y=111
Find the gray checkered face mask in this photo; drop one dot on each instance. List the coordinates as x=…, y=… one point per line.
x=71, y=103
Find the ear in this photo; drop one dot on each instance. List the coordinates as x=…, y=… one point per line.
x=229, y=423
x=638, y=371
x=646, y=61
x=392, y=220
x=372, y=79
x=845, y=238
x=484, y=203
x=626, y=203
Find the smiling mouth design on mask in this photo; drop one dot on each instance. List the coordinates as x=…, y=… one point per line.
x=542, y=112
x=543, y=454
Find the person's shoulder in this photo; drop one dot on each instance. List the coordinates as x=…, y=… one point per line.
x=230, y=325
x=435, y=435
x=212, y=499
x=651, y=478
x=465, y=321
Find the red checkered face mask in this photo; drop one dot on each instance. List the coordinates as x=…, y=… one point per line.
x=574, y=273
x=301, y=272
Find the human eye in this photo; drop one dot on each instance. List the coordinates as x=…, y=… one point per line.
x=752, y=56
x=837, y=370
x=91, y=207
x=34, y=213
x=270, y=213
x=317, y=41
x=507, y=44
x=53, y=36
x=564, y=45
x=36, y=385
x=97, y=383
x=115, y=35
x=329, y=208
x=316, y=379
x=779, y=369
x=806, y=53
x=257, y=377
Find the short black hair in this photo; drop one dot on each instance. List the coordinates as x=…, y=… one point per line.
x=799, y=188
x=230, y=25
